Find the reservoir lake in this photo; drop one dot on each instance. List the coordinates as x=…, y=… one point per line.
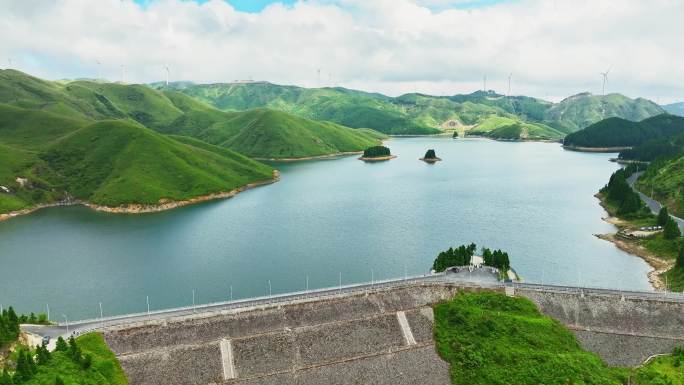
x=323, y=218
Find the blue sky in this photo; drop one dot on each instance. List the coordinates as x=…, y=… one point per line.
x=258, y=5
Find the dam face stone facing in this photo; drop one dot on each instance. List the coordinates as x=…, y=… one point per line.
x=354, y=338
x=368, y=337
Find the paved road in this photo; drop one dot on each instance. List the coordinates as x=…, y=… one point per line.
x=471, y=280
x=652, y=204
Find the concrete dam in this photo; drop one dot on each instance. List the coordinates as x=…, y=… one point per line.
x=370, y=336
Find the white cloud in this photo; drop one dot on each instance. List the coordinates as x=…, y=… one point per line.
x=553, y=49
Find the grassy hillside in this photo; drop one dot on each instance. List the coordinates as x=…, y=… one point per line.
x=33, y=120
x=666, y=179
x=346, y=107
x=497, y=127
x=490, y=339
x=34, y=129
x=582, y=110
x=617, y=132
x=264, y=133
x=114, y=162
x=416, y=113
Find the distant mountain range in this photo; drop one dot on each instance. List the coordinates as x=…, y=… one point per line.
x=675, y=108
x=415, y=114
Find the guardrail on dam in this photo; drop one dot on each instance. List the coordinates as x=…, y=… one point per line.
x=380, y=334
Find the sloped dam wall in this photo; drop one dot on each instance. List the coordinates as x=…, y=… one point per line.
x=369, y=337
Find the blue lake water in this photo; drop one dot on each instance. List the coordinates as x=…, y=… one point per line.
x=534, y=200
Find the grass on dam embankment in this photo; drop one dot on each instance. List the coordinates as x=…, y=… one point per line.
x=665, y=370
x=490, y=339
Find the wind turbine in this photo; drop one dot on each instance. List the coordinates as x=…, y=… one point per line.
x=99, y=69
x=509, y=84
x=605, y=80
x=9, y=60
x=319, y=77
x=167, y=75
x=484, y=84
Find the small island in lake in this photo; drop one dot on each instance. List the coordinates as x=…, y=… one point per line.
x=377, y=153
x=430, y=157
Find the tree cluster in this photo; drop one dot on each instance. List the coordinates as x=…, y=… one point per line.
x=619, y=192
x=376, y=152
x=496, y=258
x=680, y=259
x=670, y=227
x=9, y=326
x=459, y=256
x=28, y=362
x=462, y=255
x=430, y=154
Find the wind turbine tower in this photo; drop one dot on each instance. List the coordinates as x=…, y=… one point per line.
x=484, y=84
x=167, y=75
x=99, y=70
x=9, y=61
x=509, y=84
x=605, y=80
x=319, y=78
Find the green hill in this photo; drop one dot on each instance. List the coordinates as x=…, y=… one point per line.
x=264, y=133
x=582, y=110
x=114, y=163
x=665, y=179
x=416, y=113
x=497, y=127
x=74, y=104
x=34, y=129
x=617, y=132
x=350, y=108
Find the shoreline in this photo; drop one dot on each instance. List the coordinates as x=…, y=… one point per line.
x=596, y=149
x=658, y=265
x=430, y=160
x=136, y=208
x=377, y=158
x=327, y=156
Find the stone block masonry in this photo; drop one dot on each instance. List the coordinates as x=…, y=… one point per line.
x=369, y=337
x=623, y=330
x=365, y=337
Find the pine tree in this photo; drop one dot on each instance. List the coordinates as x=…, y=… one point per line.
x=87, y=361
x=671, y=229
x=31, y=363
x=663, y=216
x=23, y=370
x=680, y=258
x=630, y=204
x=61, y=345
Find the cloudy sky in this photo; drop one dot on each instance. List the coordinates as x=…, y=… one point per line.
x=552, y=48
